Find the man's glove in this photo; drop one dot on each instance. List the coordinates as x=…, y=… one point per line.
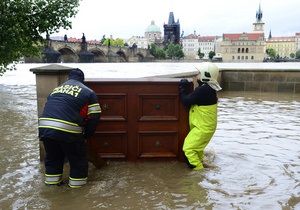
x=183, y=83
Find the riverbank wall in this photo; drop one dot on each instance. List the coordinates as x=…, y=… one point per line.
x=254, y=79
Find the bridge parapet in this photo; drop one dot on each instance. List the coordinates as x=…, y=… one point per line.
x=70, y=52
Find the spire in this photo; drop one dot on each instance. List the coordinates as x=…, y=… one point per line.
x=270, y=35
x=171, y=19
x=259, y=14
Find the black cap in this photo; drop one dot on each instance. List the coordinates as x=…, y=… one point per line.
x=77, y=74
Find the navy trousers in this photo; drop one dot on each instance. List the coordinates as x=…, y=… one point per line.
x=75, y=151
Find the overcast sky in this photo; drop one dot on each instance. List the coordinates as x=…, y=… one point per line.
x=127, y=18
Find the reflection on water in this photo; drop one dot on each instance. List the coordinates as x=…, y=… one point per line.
x=256, y=150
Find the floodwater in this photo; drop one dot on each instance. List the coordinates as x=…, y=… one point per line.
x=255, y=148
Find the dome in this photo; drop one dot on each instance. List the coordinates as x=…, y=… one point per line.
x=152, y=28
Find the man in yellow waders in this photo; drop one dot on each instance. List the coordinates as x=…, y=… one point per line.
x=203, y=113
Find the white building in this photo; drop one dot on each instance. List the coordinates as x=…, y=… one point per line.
x=190, y=46
x=192, y=43
x=152, y=35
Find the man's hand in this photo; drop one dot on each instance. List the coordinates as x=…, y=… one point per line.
x=183, y=83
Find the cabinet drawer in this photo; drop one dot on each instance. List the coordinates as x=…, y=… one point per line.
x=154, y=107
x=158, y=144
x=110, y=144
x=113, y=106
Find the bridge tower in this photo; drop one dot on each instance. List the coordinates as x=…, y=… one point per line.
x=171, y=31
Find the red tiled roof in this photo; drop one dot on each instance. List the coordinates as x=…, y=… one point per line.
x=207, y=38
x=192, y=36
x=282, y=39
x=71, y=39
x=235, y=37
x=92, y=41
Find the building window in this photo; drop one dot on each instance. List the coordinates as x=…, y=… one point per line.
x=232, y=57
x=252, y=57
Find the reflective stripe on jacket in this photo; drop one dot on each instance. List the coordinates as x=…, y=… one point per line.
x=94, y=108
x=61, y=125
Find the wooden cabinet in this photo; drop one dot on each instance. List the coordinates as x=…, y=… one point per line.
x=142, y=119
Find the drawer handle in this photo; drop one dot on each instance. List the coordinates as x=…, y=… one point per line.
x=105, y=144
x=157, y=144
x=105, y=107
x=157, y=107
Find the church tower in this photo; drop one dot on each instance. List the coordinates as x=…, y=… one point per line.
x=258, y=25
x=171, y=31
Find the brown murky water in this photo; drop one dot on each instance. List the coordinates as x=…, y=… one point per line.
x=256, y=150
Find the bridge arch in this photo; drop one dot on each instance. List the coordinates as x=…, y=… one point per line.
x=99, y=55
x=140, y=56
x=122, y=54
x=67, y=55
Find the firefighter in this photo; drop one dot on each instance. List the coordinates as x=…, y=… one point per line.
x=202, y=114
x=70, y=116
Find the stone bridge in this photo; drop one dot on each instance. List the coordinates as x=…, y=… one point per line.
x=75, y=52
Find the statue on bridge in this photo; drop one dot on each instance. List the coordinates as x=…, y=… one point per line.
x=65, y=38
x=83, y=39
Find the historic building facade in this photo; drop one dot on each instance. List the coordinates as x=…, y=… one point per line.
x=207, y=44
x=245, y=47
x=192, y=43
x=297, y=41
x=283, y=46
x=190, y=46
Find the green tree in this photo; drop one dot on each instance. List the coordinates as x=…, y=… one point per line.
x=108, y=41
x=157, y=52
x=161, y=54
x=174, y=51
x=271, y=52
x=153, y=50
x=298, y=54
x=118, y=42
x=200, y=54
x=23, y=22
x=292, y=55
x=211, y=54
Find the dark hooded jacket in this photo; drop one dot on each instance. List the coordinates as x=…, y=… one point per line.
x=72, y=111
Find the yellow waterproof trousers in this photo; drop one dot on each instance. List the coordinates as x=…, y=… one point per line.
x=203, y=124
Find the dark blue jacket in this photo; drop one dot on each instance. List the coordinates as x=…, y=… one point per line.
x=202, y=95
x=72, y=112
